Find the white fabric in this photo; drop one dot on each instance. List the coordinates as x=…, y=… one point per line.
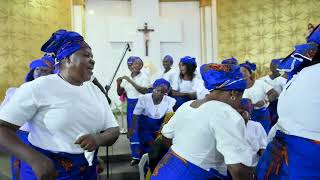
x=298, y=105
x=141, y=79
x=257, y=92
x=196, y=85
x=257, y=139
x=277, y=83
x=169, y=76
x=209, y=136
x=87, y=154
x=145, y=106
x=9, y=93
x=57, y=112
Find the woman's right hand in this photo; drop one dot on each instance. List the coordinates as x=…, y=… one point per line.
x=44, y=168
x=260, y=103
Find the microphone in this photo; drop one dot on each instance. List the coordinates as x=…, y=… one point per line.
x=129, y=49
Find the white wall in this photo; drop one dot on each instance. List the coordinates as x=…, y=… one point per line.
x=107, y=54
x=189, y=14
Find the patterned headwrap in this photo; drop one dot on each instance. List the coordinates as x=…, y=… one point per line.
x=303, y=52
x=222, y=77
x=33, y=65
x=160, y=82
x=315, y=35
x=252, y=67
x=231, y=60
x=133, y=59
x=168, y=58
x=63, y=43
x=189, y=60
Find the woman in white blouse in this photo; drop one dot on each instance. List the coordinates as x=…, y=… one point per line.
x=68, y=117
x=150, y=112
x=186, y=84
x=208, y=135
x=260, y=93
x=293, y=152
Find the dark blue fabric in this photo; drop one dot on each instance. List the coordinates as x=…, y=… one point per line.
x=134, y=140
x=290, y=157
x=173, y=167
x=63, y=43
x=276, y=61
x=273, y=112
x=160, y=82
x=189, y=60
x=148, y=131
x=263, y=117
x=315, y=35
x=249, y=65
x=292, y=63
x=168, y=58
x=68, y=166
x=222, y=76
x=179, y=101
x=133, y=59
x=231, y=60
x=33, y=65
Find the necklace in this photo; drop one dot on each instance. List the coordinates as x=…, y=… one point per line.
x=65, y=79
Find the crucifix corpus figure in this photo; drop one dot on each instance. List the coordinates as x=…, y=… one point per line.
x=146, y=36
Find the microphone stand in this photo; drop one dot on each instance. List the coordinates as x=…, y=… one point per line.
x=107, y=87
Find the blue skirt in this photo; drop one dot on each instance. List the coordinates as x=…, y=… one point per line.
x=179, y=101
x=263, y=117
x=174, y=167
x=134, y=140
x=290, y=157
x=68, y=166
x=148, y=131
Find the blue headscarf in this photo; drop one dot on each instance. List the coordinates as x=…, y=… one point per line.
x=303, y=52
x=33, y=65
x=48, y=59
x=315, y=35
x=160, y=82
x=63, y=43
x=231, y=60
x=133, y=59
x=189, y=60
x=276, y=61
x=223, y=77
x=168, y=58
x=252, y=67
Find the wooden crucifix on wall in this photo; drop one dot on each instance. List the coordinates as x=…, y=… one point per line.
x=146, y=36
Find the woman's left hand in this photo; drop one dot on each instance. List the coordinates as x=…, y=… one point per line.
x=88, y=142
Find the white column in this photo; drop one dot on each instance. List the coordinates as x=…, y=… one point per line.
x=215, y=40
x=209, y=33
x=78, y=22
